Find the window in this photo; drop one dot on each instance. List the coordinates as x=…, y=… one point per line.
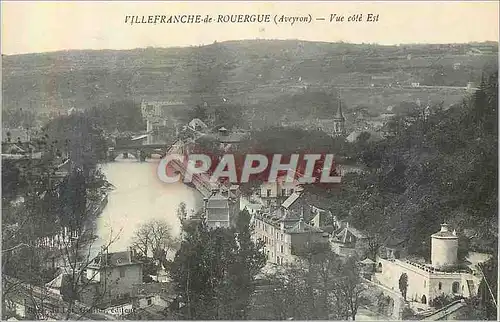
x=440, y=286
x=150, y=300
x=283, y=192
x=455, y=287
x=281, y=237
x=122, y=271
x=282, y=249
x=268, y=192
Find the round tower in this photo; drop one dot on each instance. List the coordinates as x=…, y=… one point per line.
x=444, y=247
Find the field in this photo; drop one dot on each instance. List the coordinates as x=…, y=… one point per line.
x=254, y=74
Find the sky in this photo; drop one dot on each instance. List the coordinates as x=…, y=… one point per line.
x=31, y=27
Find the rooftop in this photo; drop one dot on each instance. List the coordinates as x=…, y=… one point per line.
x=290, y=200
x=348, y=235
x=302, y=227
x=114, y=259
x=445, y=233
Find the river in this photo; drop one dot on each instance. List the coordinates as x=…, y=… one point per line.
x=139, y=196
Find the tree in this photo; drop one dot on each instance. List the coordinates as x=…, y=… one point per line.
x=349, y=288
x=200, y=112
x=213, y=271
x=486, y=302
x=403, y=284
x=320, y=285
x=182, y=212
x=154, y=239
x=50, y=217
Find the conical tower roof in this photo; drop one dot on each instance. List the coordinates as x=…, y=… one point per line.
x=339, y=115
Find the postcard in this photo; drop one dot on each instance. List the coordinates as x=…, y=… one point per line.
x=250, y=160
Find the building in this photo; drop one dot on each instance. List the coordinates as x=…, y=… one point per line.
x=229, y=139
x=274, y=193
x=160, y=116
x=290, y=228
x=482, y=50
x=222, y=207
x=153, y=296
x=110, y=278
x=197, y=125
x=339, y=120
x=427, y=281
x=15, y=135
x=349, y=241
x=285, y=235
x=374, y=136
x=444, y=247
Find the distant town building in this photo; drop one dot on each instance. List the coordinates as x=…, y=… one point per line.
x=482, y=50
x=159, y=115
x=374, y=136
x=197, y=125
x=230, y=139
x=339, y=120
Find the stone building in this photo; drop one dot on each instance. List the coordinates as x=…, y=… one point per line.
x=349, y=241
x=110, y=278
x=427, y=281
x=285, y=235
x=222, y=207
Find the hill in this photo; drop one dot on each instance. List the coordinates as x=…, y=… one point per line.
x=254, y=74
x=440, y=168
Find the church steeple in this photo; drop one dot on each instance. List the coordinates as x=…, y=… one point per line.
x=339, y=119
x=339, y=115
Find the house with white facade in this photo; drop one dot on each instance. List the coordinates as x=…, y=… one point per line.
x=426, y=281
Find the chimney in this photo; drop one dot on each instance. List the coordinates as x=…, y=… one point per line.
x=301, y=224
x=103, y=256
x=130, y=254
x=444, y=227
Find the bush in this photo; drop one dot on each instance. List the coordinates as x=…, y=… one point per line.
x=443, y=300
x=407, y=314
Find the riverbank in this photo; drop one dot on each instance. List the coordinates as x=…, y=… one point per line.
x=139, y=196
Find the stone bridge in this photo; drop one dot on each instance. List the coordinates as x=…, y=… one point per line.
x=139, y=151
x=200, y=181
